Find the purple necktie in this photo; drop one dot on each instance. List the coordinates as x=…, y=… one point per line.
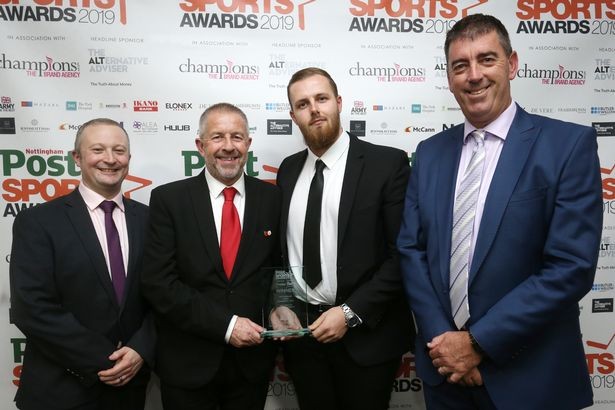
x=116, y=260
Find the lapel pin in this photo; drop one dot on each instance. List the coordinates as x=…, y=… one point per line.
x=267, y=233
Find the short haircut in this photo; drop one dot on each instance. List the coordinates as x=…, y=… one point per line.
x=309, y=72
x=97, y=121
x=476, y=25
x=221, y=107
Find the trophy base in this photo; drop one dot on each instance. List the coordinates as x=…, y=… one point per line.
x=267, y=334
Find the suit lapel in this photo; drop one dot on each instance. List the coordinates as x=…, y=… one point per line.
x=199, y=193
x=287, y=183
x=77, y=212
x=448, y=162
x=352, y=175
x=251, y=210
x=511, y=163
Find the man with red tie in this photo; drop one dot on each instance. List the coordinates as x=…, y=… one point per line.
x=208, y=238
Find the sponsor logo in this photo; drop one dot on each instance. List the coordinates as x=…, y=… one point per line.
x=415, y=108
x=78, y=106
x=540, y=110
x=177, y=127
x=559, y=76
x=358, y=128
x=145, y=105
x=606, y=248
x=422, y=108
x=605, y=70
x=281, y=66
x=279, y=127
x=604, y=129
x=49, y=68
x=419, y=129
x=175, y=106
x=604, y=110
x=7, y=125
x=383, y=130
x=103, y=105
x=603, y=287
x=69, y=127
x=277, y=107
x=6, y=104
x=407, y=16
x=228, y=71
x=577, y=110
x=602, y=305
x=358, y=108
x=144, y=127
x=34, y=127
x=565, y=17
x=393, y=73
x=97, y=12
x=270, y=15
x=99, y=62
x=378, y=108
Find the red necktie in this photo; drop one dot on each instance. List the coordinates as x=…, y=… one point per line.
x=230, y=233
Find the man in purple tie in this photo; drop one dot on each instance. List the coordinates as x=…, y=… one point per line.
x=75, y=293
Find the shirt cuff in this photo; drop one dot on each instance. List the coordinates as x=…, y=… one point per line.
x=229, y=329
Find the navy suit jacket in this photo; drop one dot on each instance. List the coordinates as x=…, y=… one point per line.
x=368, y=278
x=62, y=299
x=535, y=258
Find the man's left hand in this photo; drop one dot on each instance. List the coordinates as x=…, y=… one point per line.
x=330, y=326
x=452, y=354
x=127, y=364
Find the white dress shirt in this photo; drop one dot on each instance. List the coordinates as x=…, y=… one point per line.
x=335, y=167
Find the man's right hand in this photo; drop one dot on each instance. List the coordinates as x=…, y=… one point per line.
x=246, y=333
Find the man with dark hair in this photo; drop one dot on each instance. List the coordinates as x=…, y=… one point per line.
x=341, y=210
x=499, y=241
x=208, y=238
x=75, y=265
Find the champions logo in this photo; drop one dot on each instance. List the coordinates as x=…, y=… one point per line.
x=228, y=71
x=278, y=15
x=566, y=17
x=47, y=68
x=70, y=11
x=559, y=76
x=37, y=175
x=396, y=73
x=405, y=16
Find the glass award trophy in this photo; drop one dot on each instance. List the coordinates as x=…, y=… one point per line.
x=286, y=314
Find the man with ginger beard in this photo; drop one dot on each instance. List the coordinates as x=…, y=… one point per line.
x=342, y=200
x=208, y=238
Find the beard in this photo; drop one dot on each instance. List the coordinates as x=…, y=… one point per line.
x=320, y=139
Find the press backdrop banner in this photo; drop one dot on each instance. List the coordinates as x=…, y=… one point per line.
x=155, y=66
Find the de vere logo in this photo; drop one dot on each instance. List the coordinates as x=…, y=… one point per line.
x=50, y=174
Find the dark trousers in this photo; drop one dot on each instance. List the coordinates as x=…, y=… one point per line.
x=327, y=378
x=447, y=396
x=228, y=390
x=112, y=398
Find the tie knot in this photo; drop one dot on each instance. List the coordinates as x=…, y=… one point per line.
x=229, y=193
x=107, y=206
x=319, y=166
x=479, y=137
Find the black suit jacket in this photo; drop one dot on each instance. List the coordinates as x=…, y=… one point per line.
x=63, y=300
x=184, y=280
x=368, y=277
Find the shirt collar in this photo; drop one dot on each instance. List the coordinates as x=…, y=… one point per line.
x=216, y=187
x=498, y=127
x=93, y=199
x=334, y=153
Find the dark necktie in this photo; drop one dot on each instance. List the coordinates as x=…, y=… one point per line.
x=230, y=232
x=116, y=260
x=312, y=272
